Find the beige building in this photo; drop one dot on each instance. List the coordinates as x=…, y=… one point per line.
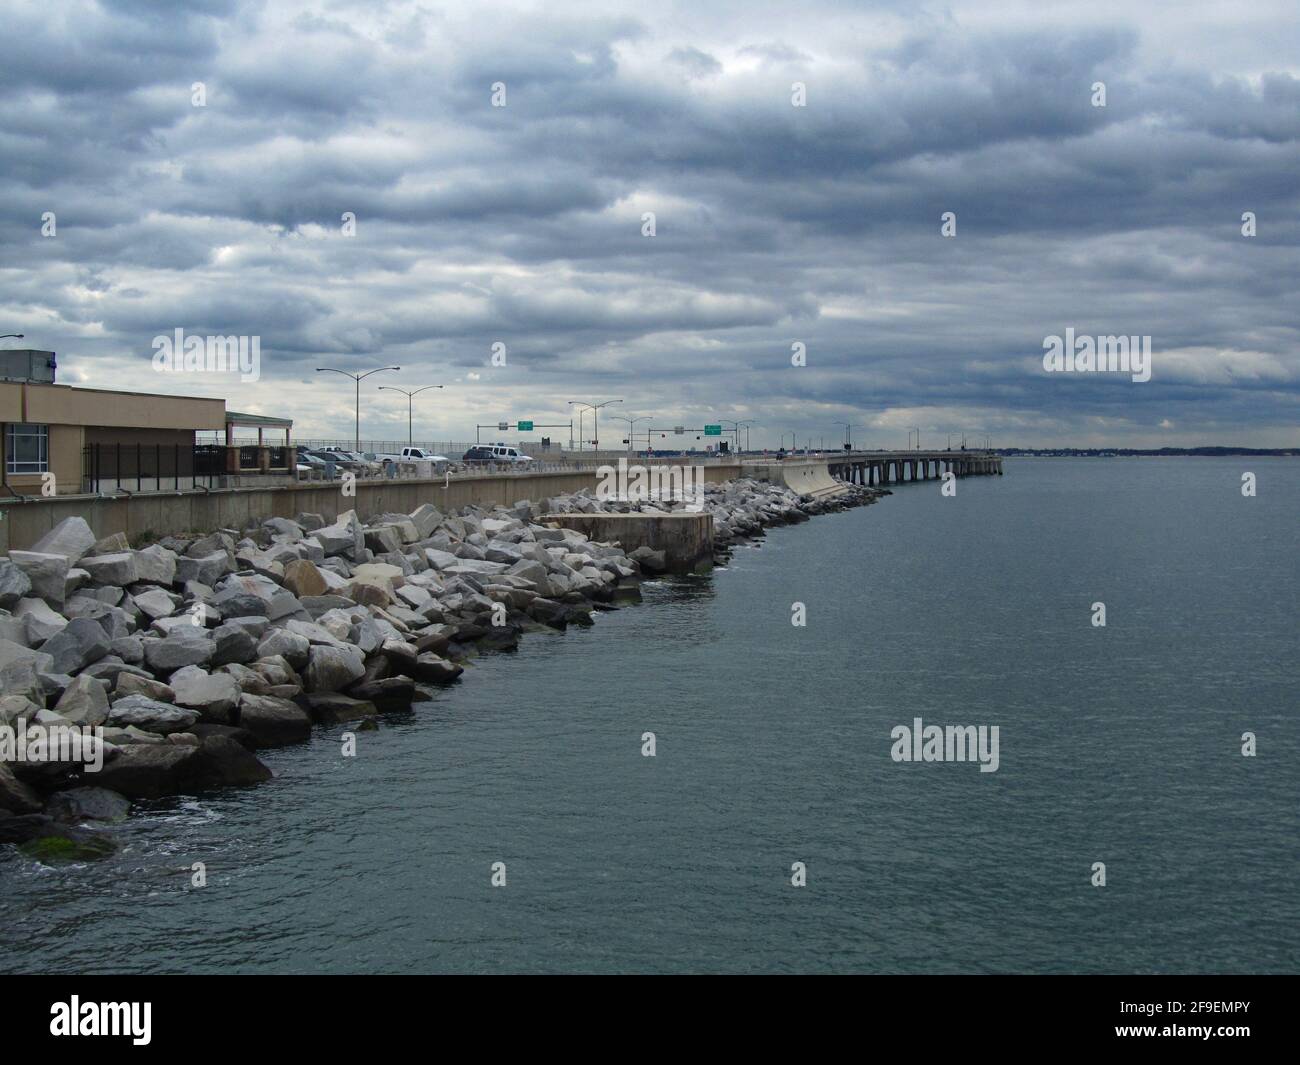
x=101, y=440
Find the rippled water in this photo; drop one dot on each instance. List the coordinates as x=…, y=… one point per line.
x=1119, y=745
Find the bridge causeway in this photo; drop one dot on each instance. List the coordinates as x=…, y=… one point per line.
x=898, y=467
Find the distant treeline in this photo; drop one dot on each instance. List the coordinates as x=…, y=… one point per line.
x=1107, y=452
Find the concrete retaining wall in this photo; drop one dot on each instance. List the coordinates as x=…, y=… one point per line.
x=686, y=539
x=165, y=513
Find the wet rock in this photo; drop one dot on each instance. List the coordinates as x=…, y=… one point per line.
x=334, y=708
x=15, y=795
x=225, y=762
x=88, y=804
x=214, y=696
x=150, y=715
x=388, y=695
x=431, y=667
x=204, y=729
x=273, y=722
x=150, y=771
x=332, y=668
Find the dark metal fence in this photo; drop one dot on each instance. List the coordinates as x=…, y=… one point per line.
x=151, y=467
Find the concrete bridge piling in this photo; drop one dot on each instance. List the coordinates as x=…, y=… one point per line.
x=877, y=468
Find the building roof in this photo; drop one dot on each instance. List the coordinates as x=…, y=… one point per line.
x=235, y=418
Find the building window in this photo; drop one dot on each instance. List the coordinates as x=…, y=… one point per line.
x=27, y=448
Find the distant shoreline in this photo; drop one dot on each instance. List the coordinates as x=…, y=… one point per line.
x=1129, y=452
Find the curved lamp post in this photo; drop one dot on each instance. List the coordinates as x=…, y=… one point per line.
x=410, y=398
x=595, y=425
x=357, y=378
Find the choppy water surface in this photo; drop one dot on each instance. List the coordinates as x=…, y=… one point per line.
x=1119, y=745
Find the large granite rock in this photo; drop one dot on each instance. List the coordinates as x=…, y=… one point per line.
x=88, y=804
x=47, y=572
x=16, y=796
x=304, y=579
x=156, y=565
x=72, y=538
x=14, y=584
x=81, y=642
x=272, y=721
x=331, y=669
x=83, y=702
x=40, y=620
x=214, y=695
x=188, y=645
x=150, y=715
x=207, y=569
x=116, y=569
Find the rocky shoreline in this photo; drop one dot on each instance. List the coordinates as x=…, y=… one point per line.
x=194, y=653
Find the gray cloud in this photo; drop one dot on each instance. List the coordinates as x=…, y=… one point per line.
x=775, y=224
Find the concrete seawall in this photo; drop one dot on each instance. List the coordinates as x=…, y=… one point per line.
x=685, y=539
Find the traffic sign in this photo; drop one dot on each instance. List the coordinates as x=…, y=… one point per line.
x=525, y=427
x=713, y=430
x=503, y=426
x=679, y=429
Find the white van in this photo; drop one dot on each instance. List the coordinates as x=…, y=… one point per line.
x=508, y=455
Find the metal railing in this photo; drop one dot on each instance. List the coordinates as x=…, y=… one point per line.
x=150, y=467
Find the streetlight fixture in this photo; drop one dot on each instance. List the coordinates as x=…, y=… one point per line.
x=410, y=398
x=6, y=336
x=357, y=378
x=848, y=439
x=595, y=424
x=631, y=425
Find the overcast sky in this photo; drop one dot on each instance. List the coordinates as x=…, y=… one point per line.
x=775, y=224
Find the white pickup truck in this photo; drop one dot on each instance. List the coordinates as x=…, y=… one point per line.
x=411, y=454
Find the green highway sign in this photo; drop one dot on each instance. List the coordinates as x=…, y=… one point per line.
x=713, y=430
x=525, y=427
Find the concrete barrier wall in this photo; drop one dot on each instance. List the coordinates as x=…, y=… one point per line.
x=686, y=539
x=25, y=522
x=809, y=477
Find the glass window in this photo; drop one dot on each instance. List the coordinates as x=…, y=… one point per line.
x=27, y=448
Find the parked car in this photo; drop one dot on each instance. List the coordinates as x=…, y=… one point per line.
x=481, y=454
x=411, y=454
x=349, y=460
x=308, y=463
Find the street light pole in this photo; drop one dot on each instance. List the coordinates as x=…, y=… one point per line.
x=357, y=378
x=595, y=419
x=631, y=428
x=410, y=398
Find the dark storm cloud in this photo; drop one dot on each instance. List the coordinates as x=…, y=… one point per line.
x=775, y=224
